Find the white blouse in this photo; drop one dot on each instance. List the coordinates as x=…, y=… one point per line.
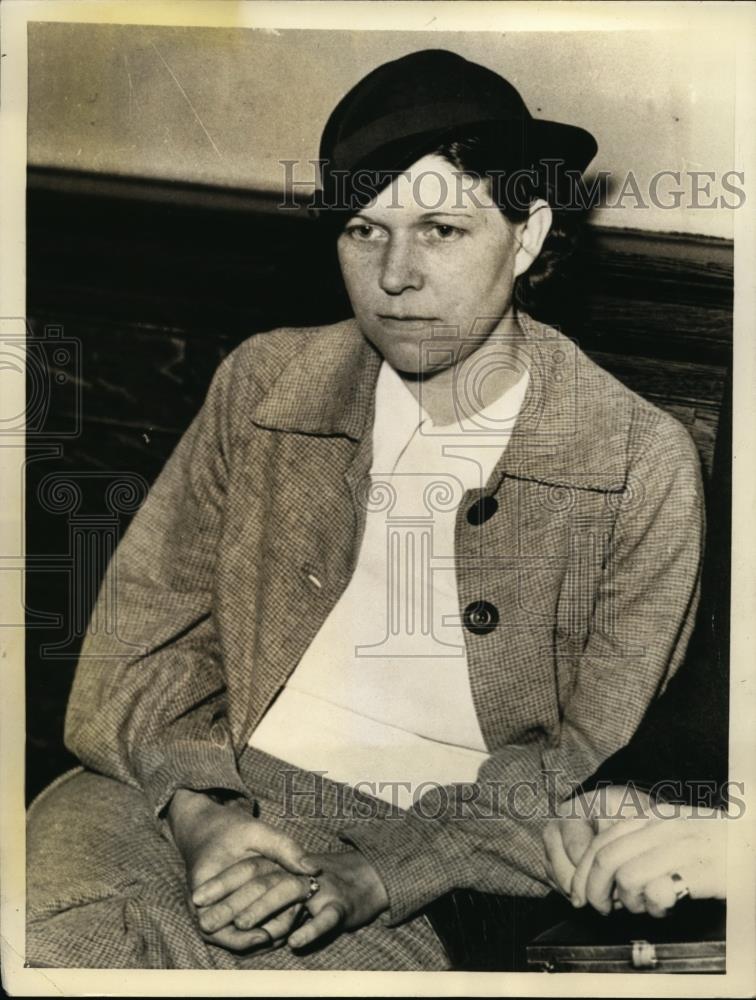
x=381, y=699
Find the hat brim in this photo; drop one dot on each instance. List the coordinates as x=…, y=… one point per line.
x=524, y=144
x=536, y=143
x=568, y=143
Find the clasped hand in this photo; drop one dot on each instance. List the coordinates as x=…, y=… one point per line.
x=628, y=854
x=250, y=881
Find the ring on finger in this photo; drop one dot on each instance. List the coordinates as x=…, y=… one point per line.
x=680, y=885
x=313, y=887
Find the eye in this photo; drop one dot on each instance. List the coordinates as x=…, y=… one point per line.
x=442, y=232
x=364, y=232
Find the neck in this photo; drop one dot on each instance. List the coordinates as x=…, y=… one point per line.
x=476, y=380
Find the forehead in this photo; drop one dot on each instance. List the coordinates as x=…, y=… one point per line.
x=433, y=184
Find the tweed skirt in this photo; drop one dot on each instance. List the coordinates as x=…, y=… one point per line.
x=106, y=890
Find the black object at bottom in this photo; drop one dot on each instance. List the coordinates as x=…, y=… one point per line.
x=483, y=932
x=690, y=939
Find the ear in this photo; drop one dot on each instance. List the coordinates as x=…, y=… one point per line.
x=532, y=234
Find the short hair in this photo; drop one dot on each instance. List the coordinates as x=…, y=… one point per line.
x=514, y=188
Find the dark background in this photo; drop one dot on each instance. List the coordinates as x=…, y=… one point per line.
x=137, y=290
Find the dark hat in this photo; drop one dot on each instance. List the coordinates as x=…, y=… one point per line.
x=405, y=108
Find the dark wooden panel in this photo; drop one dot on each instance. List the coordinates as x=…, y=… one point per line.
x=183, y=263
x=135, y=375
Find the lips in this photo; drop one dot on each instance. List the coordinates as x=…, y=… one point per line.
x=407, y=319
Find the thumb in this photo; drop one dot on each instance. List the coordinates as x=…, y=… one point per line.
x=281, y=848
x=577, y=835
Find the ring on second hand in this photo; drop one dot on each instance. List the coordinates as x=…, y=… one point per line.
x=313, y=887
x=681, y=886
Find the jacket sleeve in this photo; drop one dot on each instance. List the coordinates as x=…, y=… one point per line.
x=488, y=835
x=148, y=703
x=682, y=740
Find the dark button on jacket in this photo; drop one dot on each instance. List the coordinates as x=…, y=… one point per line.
x=481, y=617
x=482, y=510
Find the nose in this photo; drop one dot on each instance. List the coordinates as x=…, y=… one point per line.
x=400, y=268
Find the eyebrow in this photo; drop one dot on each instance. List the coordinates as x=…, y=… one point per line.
x=361, y=214
x=454, y=215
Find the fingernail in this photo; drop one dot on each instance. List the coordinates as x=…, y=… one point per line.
x=200, y=897
x=294, y=941
x=257, y=937
x=310, y=866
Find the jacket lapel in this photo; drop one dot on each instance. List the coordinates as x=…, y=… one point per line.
x=327, y=389
x=570, y=431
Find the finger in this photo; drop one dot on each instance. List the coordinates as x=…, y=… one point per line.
x=327, y=919
x=287, y=890
x=613, y=857
x=279, y=847
x=225, y=911
x=690, y=857
x=635, y=876
x=232, y=878
x=600, y=840
x=660, y=896
x=235, y=940
x=577, y=836
x=280, y=926
x=561, y=867
x=274, y=932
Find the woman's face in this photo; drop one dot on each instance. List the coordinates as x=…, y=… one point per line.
x=431, y=251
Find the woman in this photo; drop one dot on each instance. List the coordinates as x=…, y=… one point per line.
x=398, y=575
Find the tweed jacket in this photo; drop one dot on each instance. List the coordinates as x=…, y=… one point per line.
x=252, y=531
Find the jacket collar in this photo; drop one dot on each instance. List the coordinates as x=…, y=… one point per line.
x=574, y=426
x=572, y=430
x=328, y=388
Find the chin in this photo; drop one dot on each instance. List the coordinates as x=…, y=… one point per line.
x=407, y=361
x=406, y=366
x=406, y=356
x=400, y=355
